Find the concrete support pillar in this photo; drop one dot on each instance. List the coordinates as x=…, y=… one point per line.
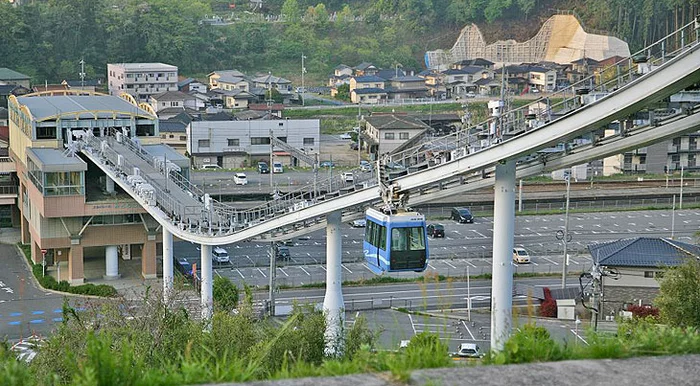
x=148, y=258
x=75, y=265
x=333, y=305
x=109, y=185
x=167, y=264
x=111, y=262
x=36, y=253
x=207, y=283
x=503, y=227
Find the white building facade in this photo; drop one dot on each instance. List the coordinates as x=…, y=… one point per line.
x=141, y=80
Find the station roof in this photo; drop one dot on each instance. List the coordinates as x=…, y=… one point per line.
x=45, y=107
x=53, y=160
x=160, y=150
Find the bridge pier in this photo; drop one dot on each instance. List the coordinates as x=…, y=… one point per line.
x=206, y=283
x=333, y=306
x=502, y=278
x=167, y=265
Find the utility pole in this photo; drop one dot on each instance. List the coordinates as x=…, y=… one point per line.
x=566, y=230
x=673, y=218
x=680, y=198
x=273, y=270
x=303, y=71
x=82, y=74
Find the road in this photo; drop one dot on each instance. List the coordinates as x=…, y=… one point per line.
x=374, y=302
x=465, y=247
x=24, y=308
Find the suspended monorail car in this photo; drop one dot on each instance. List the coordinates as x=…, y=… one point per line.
x=396, y=241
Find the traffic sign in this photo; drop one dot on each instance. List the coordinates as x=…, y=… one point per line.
x=43, y=251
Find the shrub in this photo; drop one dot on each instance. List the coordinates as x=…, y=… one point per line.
x=548, y=308
x=643, y=311
x=225, y=294
x=48, y=282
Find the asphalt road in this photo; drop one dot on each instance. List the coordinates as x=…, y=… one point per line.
x=24, y=308
x=465, y=247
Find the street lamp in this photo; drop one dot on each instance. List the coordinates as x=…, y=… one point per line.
x=303, y=71
x=566, y=236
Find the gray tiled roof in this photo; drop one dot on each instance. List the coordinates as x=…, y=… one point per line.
x=643, y=252
x=369, y=90
x=7, y=74
x=395, y=122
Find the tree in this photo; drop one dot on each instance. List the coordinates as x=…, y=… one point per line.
x=225, y=294
x=343, y=92
x=679, y=295
x=290, y=10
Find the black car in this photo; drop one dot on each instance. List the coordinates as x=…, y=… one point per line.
x=436, y=230
x=462, y=215
x=282, y=252
x=263, y=168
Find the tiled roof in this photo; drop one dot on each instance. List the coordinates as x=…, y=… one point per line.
x=170, y=96
x=643, y=252
x=368, y=78
x=369, y=90
x=392, y=121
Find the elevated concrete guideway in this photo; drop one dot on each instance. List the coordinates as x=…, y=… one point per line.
x=185, y=213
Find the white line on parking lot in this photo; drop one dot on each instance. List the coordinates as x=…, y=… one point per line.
x=468, y=330
x=285, y=273
x=551, y=261
x=467, y=261
x=448, y=263
x=239, y=272
x=251, y=260
x=217, y=272
x=412, y=325
x=346, y=268
x=367, y=266
x=261, y=272
x=431, y=267
x=323, y=268
x=305, y=271
x=573, y=261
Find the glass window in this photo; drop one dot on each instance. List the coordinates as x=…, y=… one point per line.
x=203, y=143
x=405, y=239
x=388, y=135
x=403, y=135
x=308, y=141
x=234, y=142
x=259, y=140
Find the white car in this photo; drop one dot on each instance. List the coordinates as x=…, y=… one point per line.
x=520, y=256
x=240, y=179
x=348, y=177
x=469, y=350
x=345, y=136
x=358, y=223
x=220, y=256
x=277, y=167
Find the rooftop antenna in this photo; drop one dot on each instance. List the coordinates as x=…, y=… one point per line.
x=82, y=74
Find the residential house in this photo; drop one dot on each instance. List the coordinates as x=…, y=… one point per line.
x=231, y=99
x=365, y=69
x=262, y=84
x=434, y=81
x=189, y=85
x=367, y=89
x=230, y=82
x=384, y=133
x=527, y=77
x=458, y=82
x=341, y=75
x=172, y=100
x=487, y=86
x=234, y=144
x=173, y=131
x=8, y=77
x=216, y=75
x=274, y=109
x=407, y=87
x=638, y=263
x=141, y=80
x=11, y=89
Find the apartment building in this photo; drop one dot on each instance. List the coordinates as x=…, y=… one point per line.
x=234, y=144
x=141, y=80
x=70, y=211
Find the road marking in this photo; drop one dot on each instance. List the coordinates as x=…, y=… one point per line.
x=367, y=266
x=251, y=260
x=261, y=272
x=346, y=268
x=217, y=272
x=479, y=233
x=573, y=261
x=239, y=272
x=551, y=261
x=431, y=267
x=323, y=268
x=579, y=337
x=305, y=271
x=412, y=325
x=468, y=330
x=285, y=273
x=446, y=262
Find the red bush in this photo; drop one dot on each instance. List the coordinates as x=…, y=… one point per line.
x=643, y=311
x=548, y=308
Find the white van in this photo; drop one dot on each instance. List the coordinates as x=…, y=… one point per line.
x=469, y=350
x=220, y=256
x=277, y=167
x=210, y=167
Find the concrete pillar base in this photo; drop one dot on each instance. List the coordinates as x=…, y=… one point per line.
x=106, y=277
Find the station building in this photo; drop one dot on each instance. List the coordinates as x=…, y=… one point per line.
x=70, y=211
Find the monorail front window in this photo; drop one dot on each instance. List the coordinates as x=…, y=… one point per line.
x=407, y=239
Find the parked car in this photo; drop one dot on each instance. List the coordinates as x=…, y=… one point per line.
x=263, y=168
x=327, y=164
x=365, y=166
x=282, y=252
x=210, y=167
x=184, y=267
x=462, y=215
x=353, y=145
x=346, y=136
x=520, y=256
x=240, y=179
x=277, y=167
x=469, y=350
x=471, y=94
x=220, y=256
x=348, y=177
x=436, y=230
x=361, y=223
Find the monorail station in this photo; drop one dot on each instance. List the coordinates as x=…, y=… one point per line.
x=71, y=212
